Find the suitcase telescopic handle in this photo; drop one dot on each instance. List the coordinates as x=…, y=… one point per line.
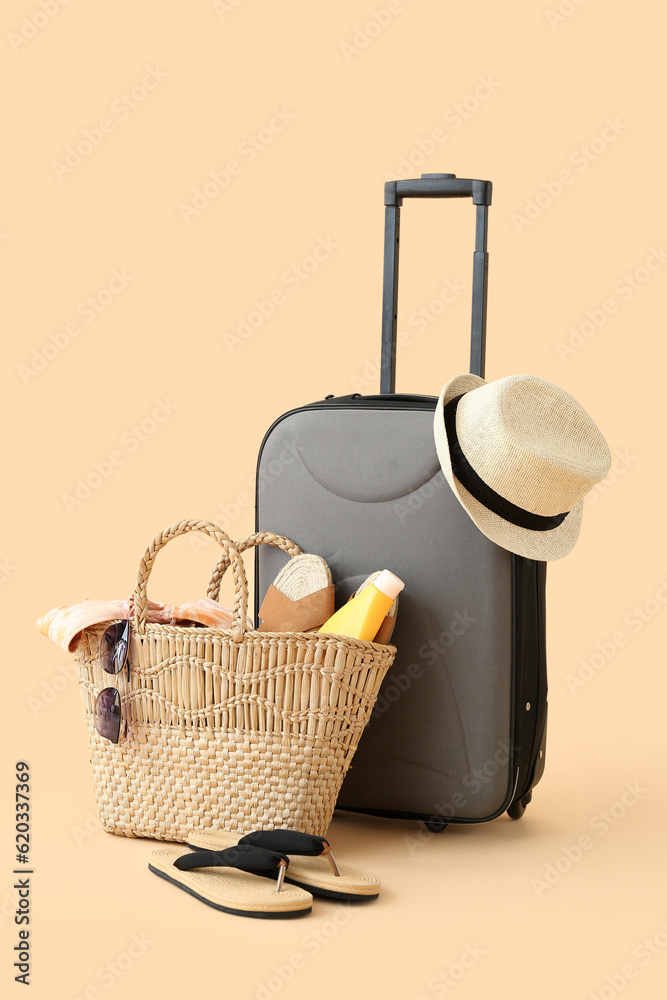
x=433, y=186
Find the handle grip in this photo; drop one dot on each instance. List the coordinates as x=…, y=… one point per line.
x=438, y=186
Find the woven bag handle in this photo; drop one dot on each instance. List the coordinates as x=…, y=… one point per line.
x=240, y=608
x=258, y=538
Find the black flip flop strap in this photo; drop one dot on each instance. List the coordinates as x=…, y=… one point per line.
x=482, y=492
x=287, y=842
x=245, y=857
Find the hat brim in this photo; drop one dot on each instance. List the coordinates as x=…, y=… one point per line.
x=540, y=545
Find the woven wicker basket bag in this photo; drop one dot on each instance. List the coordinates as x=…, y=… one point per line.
x=227, y=728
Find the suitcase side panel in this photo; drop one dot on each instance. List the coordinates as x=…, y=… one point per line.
x=530, y=657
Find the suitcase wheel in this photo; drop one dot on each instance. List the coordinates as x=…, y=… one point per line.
x=518, y=808
x=436, y=824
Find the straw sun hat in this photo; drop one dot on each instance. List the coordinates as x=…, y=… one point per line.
x=520, y=455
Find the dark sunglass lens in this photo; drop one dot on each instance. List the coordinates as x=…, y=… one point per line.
x=114, y=645
x=107, y=714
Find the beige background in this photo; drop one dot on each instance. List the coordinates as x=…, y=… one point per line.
x=218, y=72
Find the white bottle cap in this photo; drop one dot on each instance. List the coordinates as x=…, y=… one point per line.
x=388, y=584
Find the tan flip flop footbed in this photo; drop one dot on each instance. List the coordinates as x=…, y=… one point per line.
x=314, y=874
x=231, y=890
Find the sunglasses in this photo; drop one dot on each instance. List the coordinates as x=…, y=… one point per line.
x=114, y=654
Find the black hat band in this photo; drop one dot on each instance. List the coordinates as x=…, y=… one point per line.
x=483, y=493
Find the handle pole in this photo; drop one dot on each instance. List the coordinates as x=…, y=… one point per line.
x=392, y=225
x=480, y=275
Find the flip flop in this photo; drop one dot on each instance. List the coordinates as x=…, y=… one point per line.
x=307, y=869
x=247, y=891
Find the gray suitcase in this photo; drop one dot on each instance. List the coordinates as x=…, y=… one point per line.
x=458, y=731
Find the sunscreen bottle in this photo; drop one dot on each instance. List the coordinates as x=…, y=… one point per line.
x=361, y=617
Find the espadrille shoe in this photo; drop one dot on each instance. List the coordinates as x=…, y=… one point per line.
x=301, y=598
x=238, y=880
x=385, y=631
x=308, y=857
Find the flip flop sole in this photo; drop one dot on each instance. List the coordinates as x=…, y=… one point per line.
x=233, y=891
x=284, y=915
x=349, y=897
x=312, y=874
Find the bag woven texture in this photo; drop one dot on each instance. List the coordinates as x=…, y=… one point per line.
x=227, y=728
